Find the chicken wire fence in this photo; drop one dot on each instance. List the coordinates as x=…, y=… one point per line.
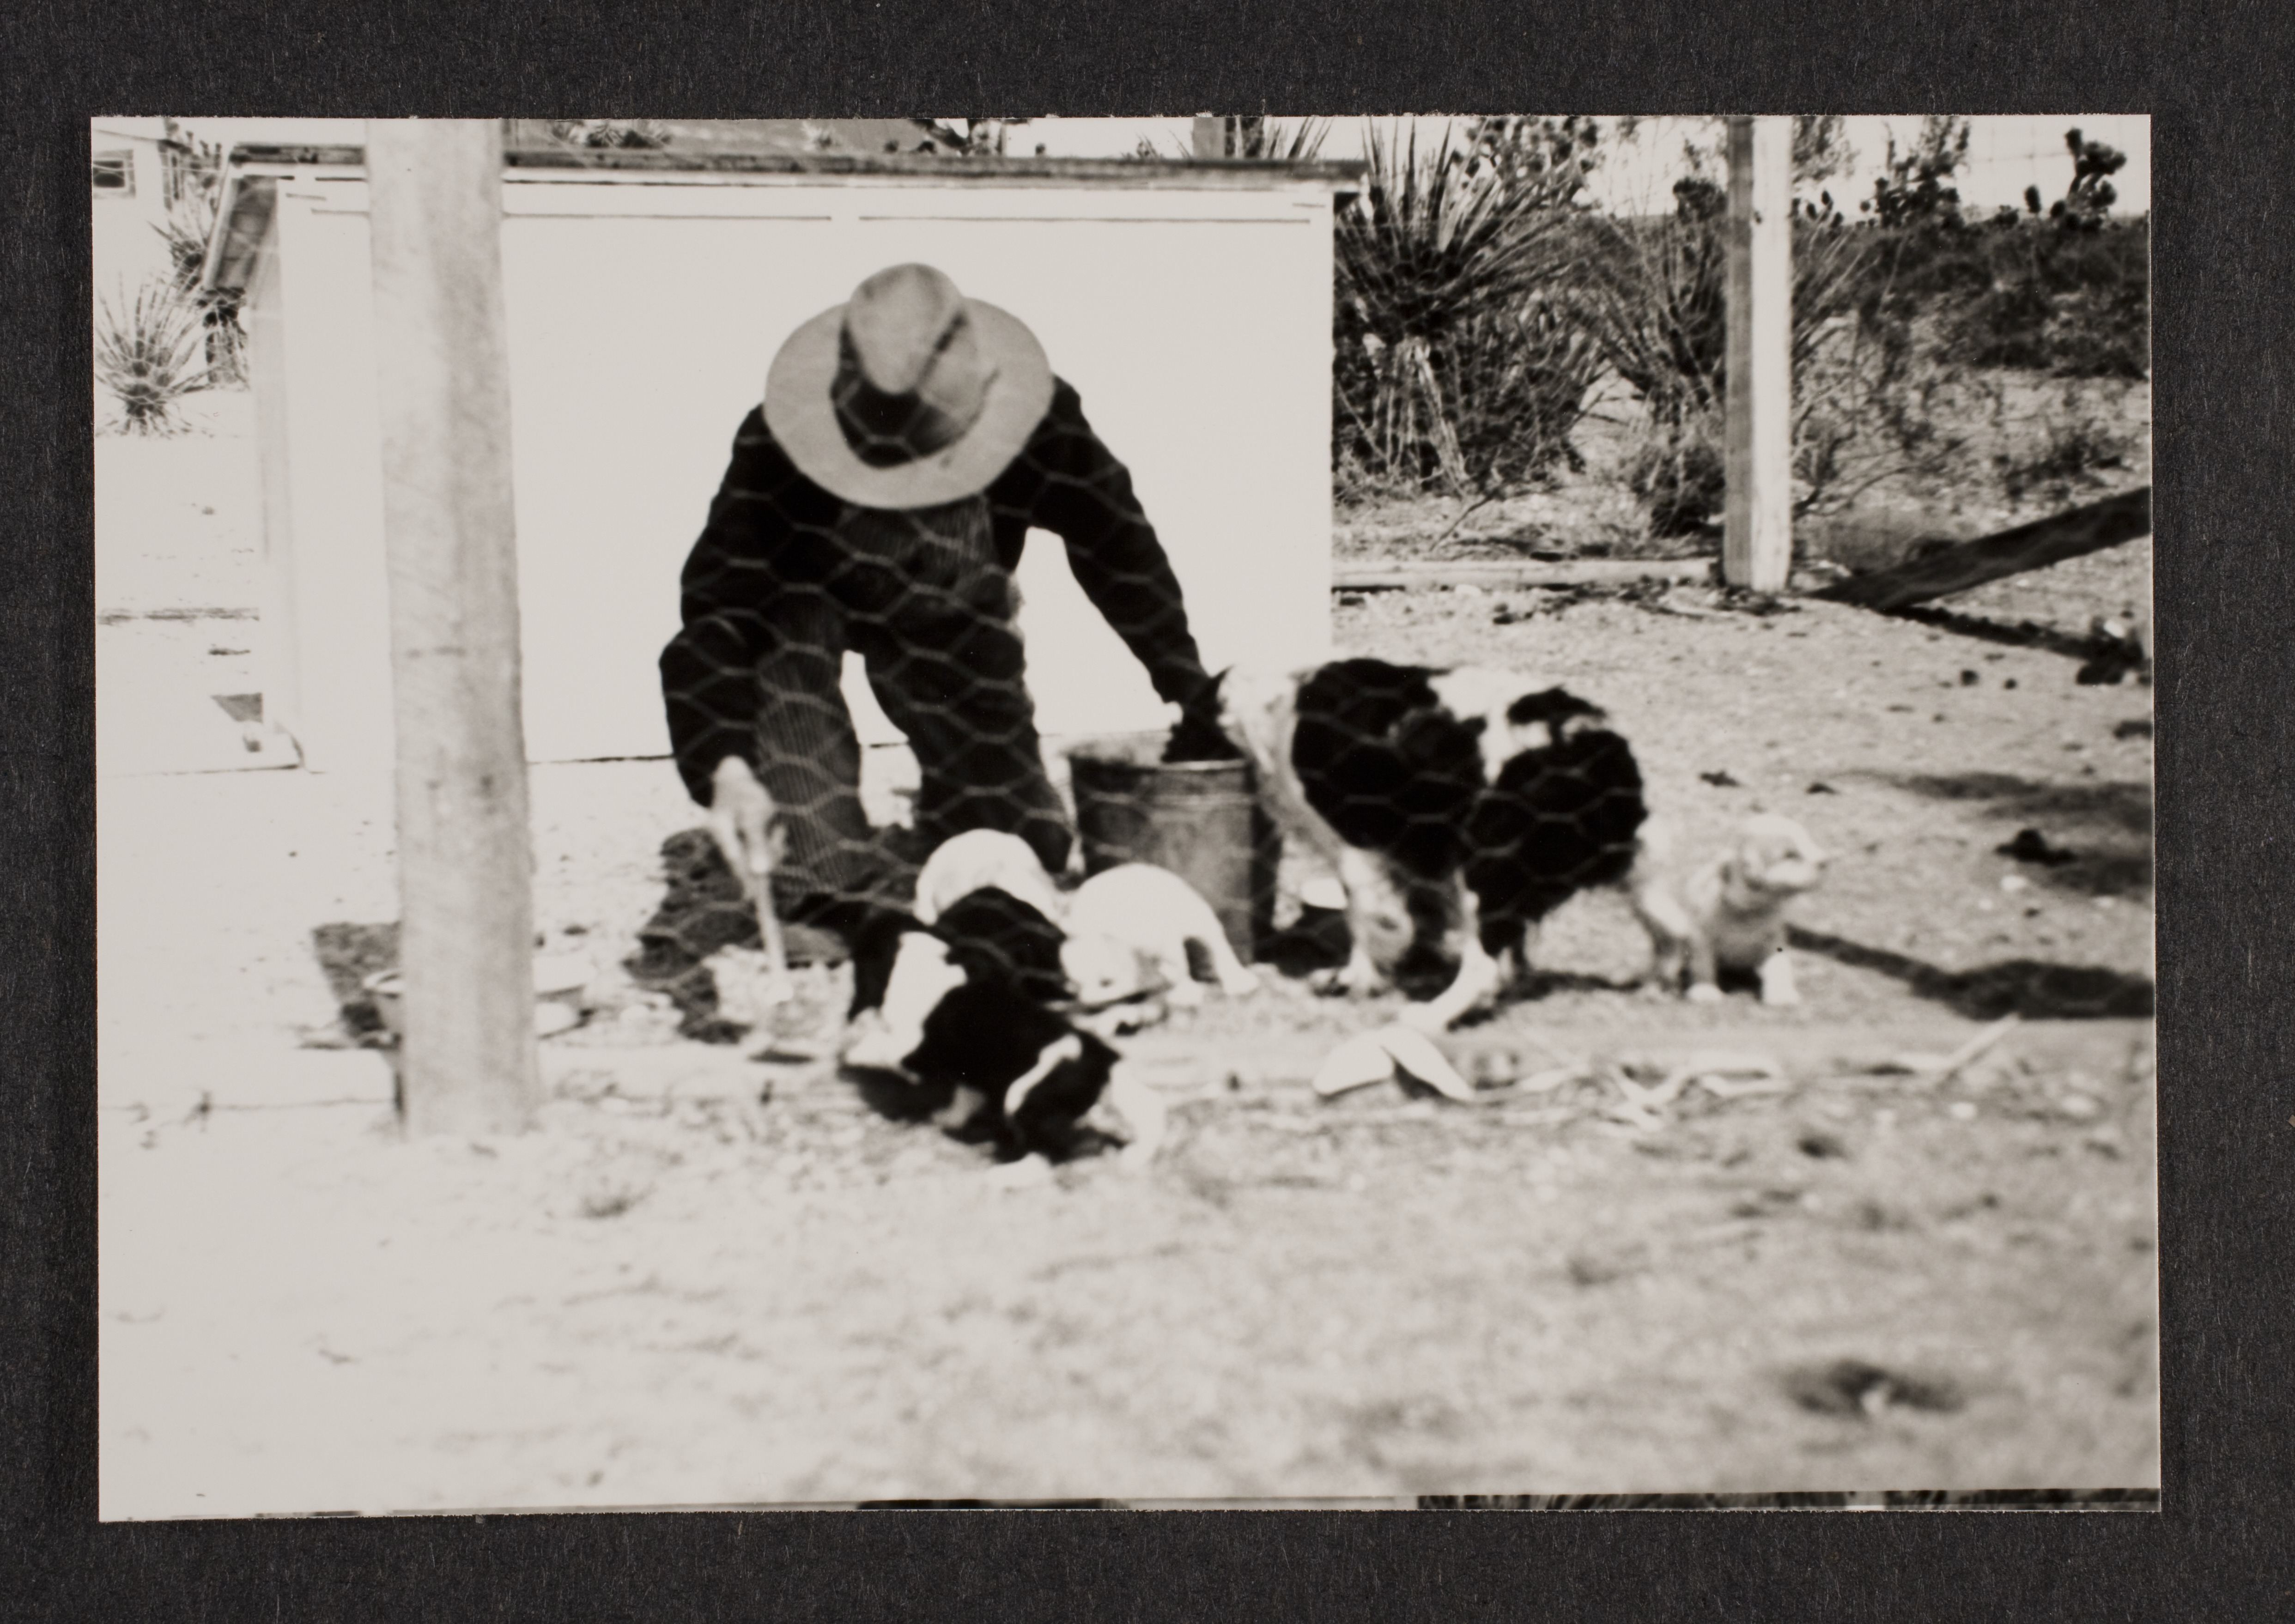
x=787, y=579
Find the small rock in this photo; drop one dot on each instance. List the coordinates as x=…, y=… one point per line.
x=2030, y=845
x=1962, y=1111
x=2013, y=883
x=2011, y=683
x=1720, y=781
x=2079, y=1107
x=1969, y=679
x=1823, y=789
x=1852, y=1387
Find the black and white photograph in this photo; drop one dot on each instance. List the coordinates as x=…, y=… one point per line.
x=1214, y=810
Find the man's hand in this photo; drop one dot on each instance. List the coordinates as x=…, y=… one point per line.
x=1199, y=738
x=741, y=821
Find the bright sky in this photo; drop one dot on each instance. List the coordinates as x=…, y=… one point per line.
x=2006, y=153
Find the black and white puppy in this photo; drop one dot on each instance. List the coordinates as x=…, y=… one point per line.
x=967, y=1004
x=1470, y=801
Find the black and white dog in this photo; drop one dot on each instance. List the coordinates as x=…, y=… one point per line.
x=1470, y=803
x=970, y=1004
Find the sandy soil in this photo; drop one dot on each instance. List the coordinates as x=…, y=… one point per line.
x=711, y=1279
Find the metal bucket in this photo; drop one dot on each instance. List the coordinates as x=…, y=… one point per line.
x=1200, y=820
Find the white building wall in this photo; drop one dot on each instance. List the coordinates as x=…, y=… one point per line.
x=124, y=246
x=643, y=311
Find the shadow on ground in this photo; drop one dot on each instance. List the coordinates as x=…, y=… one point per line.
x=2026, y=987
x=2105, y=826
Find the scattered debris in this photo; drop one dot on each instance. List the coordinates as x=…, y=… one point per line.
x=1421, y=1060
x=1355, y=1064
x=2030, y=845
x=1943, y=1068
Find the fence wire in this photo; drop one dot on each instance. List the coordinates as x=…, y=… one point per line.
x=787, y=579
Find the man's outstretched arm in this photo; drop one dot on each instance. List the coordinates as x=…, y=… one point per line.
x=1068, y=482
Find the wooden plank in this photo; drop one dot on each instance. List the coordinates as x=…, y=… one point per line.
x=465, y=867
x=2007, y=552
x=1582, y=571
x=1757, y=545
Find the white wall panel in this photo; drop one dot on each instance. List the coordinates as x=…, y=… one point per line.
x=642, y=317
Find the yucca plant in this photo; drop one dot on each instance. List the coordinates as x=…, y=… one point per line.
x=1656, y=300
x=1268, y=138
x=187, y=230
x=149, y=353
x=1458, y=366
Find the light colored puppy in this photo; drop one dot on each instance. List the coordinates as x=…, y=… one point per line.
x=1139, y=915
x=1730, y=914
x=979, y=859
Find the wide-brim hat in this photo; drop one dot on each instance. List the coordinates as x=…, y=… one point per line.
x=800, y=409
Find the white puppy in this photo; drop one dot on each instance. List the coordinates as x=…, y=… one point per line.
x=981, y=858
x=1730, y=914
x=1138, y=915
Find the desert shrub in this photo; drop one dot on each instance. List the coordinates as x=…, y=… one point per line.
x=2076, y=444
x=606, y=135
x=2064, y=289
x=1911, y=191
x=1460, y=363
x=2023, y=292
x=149, y=353
x=187, y=230
x=1656, y=302
x=1681, y=479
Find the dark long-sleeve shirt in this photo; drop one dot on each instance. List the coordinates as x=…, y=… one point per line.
x=771, y=526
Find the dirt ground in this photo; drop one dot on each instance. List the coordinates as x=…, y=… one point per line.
x=713, y=1279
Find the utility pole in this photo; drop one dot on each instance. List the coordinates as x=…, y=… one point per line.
x=465, y=867
x=1757, y=531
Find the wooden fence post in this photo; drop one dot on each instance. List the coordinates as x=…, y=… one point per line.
x=465, y=869
x=1757, y=532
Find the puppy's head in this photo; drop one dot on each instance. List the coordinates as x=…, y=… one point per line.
x=1776, y=857
x=1103, y=970
x=1037, y=1072
x=991, y=933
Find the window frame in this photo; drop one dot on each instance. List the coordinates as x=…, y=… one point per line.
x=100, y=163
